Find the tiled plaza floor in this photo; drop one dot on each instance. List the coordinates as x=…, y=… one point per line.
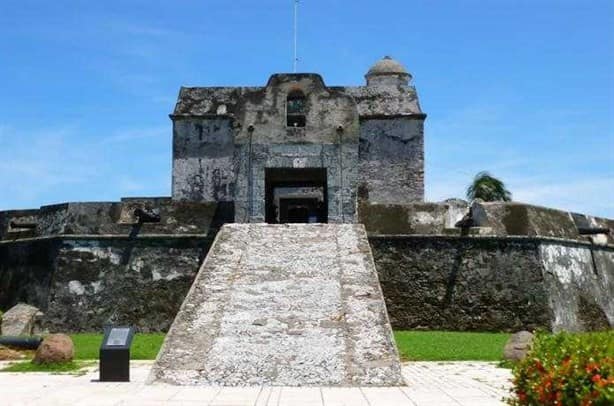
x=428, y=383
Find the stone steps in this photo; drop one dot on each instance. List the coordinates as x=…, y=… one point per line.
x=292, y=305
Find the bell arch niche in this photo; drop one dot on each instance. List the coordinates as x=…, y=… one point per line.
x=296, y=109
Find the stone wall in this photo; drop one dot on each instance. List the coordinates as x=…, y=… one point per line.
x=580, y=282
x=84, y=283
x=88, y=264
x=391, y=157
x=406, y=219
x=138, y=282
x=117, y=218
x=495, y=283
x=26, y=271
x=490, y=218
x=203, y=159
x=451, y=283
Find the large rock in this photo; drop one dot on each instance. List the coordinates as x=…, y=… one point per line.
x=21, y=320
x=55, y=348
x=518, y=346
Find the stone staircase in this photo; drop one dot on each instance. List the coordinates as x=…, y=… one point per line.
x=292, y=305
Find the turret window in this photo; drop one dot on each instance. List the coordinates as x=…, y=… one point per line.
x=296, y=109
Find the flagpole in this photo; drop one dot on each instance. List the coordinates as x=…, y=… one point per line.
x=295, y=29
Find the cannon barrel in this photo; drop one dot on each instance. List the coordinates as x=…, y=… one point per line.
x=467, y=220
x=146, y=216
x=593, y=230
x=15, y=224
x=26, y=343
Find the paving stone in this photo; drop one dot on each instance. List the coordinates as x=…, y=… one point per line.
x=431, y=383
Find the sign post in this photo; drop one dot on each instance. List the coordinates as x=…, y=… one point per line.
x=115, y=354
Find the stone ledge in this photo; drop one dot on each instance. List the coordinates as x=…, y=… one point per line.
x=535, y=238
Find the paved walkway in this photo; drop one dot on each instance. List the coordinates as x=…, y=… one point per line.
x=429, y=383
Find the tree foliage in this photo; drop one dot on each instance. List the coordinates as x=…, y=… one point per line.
x=488, y=188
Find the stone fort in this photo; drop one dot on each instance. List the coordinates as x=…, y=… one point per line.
x=299, y=151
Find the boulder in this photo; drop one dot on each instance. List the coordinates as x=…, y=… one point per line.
x=55, y=348
x=21, y=320
x=517, y=346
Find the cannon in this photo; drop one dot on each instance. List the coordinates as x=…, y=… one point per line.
x=593, y=230
x=466, y=221
x=146, y=215
x=26, y=343
x=27, y=225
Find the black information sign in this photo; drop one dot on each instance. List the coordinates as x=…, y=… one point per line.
x=118, y=337
x=115, y=354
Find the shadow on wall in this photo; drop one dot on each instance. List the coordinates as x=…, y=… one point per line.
x=494, y=284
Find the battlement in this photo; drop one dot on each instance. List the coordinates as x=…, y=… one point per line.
x=114, y=219
x=495, y=219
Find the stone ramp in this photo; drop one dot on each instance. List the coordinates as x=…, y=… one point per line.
x=291, y=305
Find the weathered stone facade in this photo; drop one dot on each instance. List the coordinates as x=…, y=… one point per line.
x=521, y=267
x=90, y=264
x=368, y=139
x=449, y=283
x=525, y=267
x=494, y=283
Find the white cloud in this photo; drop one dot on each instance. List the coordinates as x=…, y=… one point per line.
x=553, y=158
x=591, y=196
x=66, y=164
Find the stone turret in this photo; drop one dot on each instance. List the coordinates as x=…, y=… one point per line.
x=388, y=72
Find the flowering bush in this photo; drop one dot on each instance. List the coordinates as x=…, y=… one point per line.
x=566, y=369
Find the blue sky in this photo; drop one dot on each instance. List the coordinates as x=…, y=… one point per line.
x=522, y=88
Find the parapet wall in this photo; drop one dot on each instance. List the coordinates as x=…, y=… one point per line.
x=521, y=267
x=495, y=283
x=89, y=264
x=494, y=219
x=139, y=282
x=115, y=218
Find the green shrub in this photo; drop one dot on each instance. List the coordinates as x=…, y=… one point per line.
x=566, y=369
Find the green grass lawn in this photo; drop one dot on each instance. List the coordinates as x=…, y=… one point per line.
x=144, y=346
x=413, y=345
x=450, y=345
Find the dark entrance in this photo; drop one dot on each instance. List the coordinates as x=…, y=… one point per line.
x=299, y=210
x=296, y=195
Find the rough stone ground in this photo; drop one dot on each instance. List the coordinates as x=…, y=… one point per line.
x=429, y=384
x=292, y=304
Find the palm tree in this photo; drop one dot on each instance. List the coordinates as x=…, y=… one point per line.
x=488, y=188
